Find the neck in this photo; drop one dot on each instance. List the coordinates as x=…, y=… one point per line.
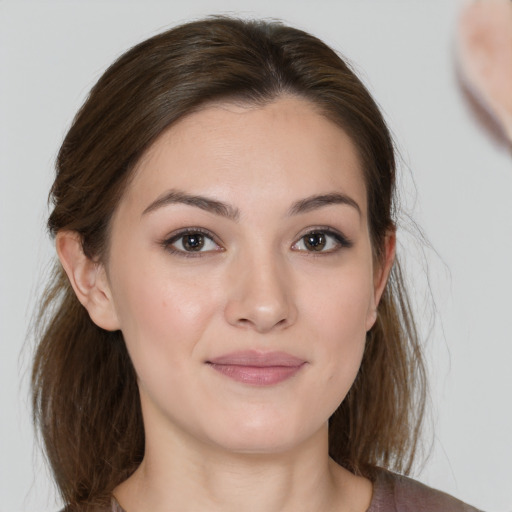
x=186, y=477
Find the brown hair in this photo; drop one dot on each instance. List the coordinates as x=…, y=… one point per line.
x=85, y=394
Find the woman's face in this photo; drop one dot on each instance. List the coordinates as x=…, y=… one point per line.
x=241, y=275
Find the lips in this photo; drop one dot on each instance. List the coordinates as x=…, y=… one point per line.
x=257, y=368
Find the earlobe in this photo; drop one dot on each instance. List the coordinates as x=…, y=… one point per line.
x=88, y=279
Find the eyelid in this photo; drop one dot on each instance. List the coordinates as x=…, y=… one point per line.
x=343, y=241
x=176, y=235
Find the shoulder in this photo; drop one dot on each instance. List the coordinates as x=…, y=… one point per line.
x=397, y=493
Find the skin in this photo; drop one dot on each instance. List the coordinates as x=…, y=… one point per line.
x=485, y=52
x=213, y=443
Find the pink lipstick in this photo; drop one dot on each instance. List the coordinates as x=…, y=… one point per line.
x=257, y=368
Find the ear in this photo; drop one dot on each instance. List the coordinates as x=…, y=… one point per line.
x=88, y=279
x=381, y=273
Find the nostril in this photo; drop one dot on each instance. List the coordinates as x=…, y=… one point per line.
x=261, y=305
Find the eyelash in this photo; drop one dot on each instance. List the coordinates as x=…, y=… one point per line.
x=342, y=242
x=168, y=242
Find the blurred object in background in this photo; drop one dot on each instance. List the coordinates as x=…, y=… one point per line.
x=484, y=42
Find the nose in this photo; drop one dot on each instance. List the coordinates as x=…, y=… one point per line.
x=261, y=296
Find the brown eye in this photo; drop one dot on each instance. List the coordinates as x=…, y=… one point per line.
x=314, y=241
x=324, y=241
x=193, y=242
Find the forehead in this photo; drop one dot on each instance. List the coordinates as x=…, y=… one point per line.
x=278, y=152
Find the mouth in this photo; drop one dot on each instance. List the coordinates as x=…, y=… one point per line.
x=257, y=368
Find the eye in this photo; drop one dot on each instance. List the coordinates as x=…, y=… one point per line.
x=321, y=241
x=191, y=241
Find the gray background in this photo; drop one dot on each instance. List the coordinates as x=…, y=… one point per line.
x=456, y=184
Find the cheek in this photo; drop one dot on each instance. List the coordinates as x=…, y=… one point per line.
x=341, y=305
x=162, y=314
x=338, y=315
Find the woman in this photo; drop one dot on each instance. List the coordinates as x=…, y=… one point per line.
x=228, y=328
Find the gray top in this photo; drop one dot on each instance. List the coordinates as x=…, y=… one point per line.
x=396, y=493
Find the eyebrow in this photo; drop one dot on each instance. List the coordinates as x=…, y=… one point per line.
x=319, y=201
x=205, y=203
x=225, y=210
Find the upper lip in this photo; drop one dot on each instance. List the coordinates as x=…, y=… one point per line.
x=257, y=359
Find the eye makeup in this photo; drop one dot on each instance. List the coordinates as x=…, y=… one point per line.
x=192, y=242
x=199, y=242
x=321, y=240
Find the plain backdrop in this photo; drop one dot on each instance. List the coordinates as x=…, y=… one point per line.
x=456, y=183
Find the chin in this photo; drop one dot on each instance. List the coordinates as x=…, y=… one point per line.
x=263, y=443
x=263, y=434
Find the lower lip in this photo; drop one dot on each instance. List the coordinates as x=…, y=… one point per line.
x=257, y=375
